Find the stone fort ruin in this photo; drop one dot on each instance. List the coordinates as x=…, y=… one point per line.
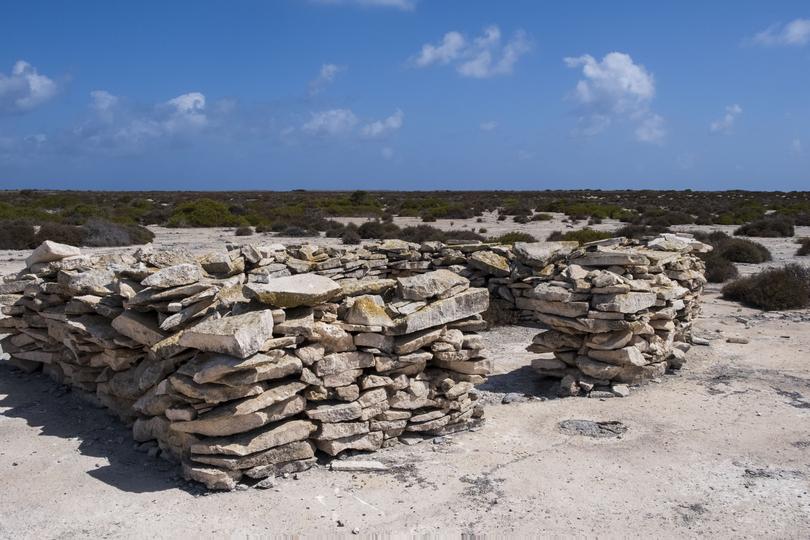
x=245, y=363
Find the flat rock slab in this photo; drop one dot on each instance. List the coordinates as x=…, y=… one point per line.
x=294, y=291
x=174, y=276
x=353, y=465
x=430, y=284
x=240, y=335
x=590, y=428
x=49, y=251
x=460, y=306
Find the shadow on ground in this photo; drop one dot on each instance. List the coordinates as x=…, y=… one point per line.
x=523, y=380
x=59, y=412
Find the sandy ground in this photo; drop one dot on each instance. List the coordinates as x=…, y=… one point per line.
x=719, y=448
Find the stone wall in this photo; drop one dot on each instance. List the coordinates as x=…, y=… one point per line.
x=247, y=361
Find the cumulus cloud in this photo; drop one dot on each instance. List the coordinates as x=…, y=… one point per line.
x=24, y=89
x=726, y=124
x=380, y=128
x=616, y=88
x=116, y=127
x=488, y=126
x=325, y=77
x=795, y=33
x=404, y=5
x=331, y=122
x=483, y=57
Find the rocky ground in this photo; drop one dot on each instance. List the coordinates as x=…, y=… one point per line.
x=719, y=448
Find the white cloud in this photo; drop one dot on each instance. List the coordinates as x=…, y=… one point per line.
x=726, y=124
x=795, y=33
x=482, y=58
x=331, y=122
x=404, y=5
x=325, y=77
x=187, y=113
x=387, y=152
x=796, y=147
x=488, y=126
x=103, y=101
x=449, y=49
x=379, y=128
x=612, y=89
x=24, y=89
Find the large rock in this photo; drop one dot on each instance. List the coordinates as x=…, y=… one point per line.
x=631, y=302
x=49, y=251
x=610, y=258
x=229, y=420
x=334, y=363
x=212, y=477
x=141, y=327
x=626, y=356
x=539, y=254
x=337, y=412
x=367, y=442
x=239, y=335
x=597, y=370
x=258, y=440
x=490, y=263
x=465, y=304
x=563, y=309
x=297, y=290
x=431, y=284
x=416, y=340
x=367, y=312
x=293, y=451
x=174, y=276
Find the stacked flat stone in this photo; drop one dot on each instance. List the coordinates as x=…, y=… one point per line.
x=238, y=367
x=616, y=312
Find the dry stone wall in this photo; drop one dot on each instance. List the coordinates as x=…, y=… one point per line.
x=245, y=362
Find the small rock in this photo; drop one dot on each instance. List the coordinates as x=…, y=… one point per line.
x=738, y=340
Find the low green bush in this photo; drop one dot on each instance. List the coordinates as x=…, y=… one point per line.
x=512, y=237
x=204, y=213
x=100, y=233
x=583, y=236
x=17, y=234
x=778, y=288
x=804, y=247
x=769, y=227
x=742, y=251
x=719, y=269
x=244, y=231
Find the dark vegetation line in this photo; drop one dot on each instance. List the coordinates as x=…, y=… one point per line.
x=93, y=218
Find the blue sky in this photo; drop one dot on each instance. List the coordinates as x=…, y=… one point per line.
x=405, y=94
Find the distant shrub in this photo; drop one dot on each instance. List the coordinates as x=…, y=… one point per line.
x=742, y=250
x=479, y=220
x=482, y=230
x=595, y=221
x=542, y=217
x=804, y=247
x=583, y=236
x=100, y=233
x=639, y=231
x=719, y=269
x=462, y=235
x=296, y=232
x=778, y=288
x=64, y=234
x=204, y=213
x=502, y=217
x=769, y=227
x=429, y=218
x=387, y=218
x=512, y=237
x=521, y=219
x=244, y=231
x=263, y=228
x=350, y=237
x=17, y=234
x=378, y=230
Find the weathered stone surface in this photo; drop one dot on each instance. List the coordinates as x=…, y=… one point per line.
x=610, y=258
x=246, y=415
x=97, y=282
x=471, y=367
x=631, y=302
x=365, y=310
x=374, y=340
x=293, y=291
x=174, y=276
x=597, y=370
x=141, y=327
x=490, y=262
x=563, y=309
x=430, y=284
x=465, y=304
x=212, y=477
x=340, y=430
x=338, y=362
x=258, y=440
x=368, y=442
x=239, y=335
x=49, y=251
x=538, y=254
x=620, y=357
x=339, y=412
x=367, y=286
x=213, y=393
x=552, y=341
x=609, y=340
x=294, y=451
x=416, y=340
